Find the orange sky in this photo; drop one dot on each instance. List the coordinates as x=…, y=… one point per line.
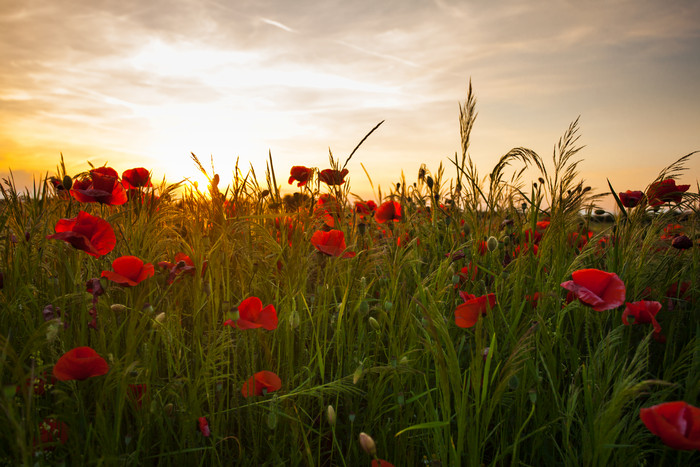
x=133, y=83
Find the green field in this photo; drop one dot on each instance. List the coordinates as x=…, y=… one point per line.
x=367, y=336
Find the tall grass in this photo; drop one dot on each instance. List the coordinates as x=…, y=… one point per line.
x=374, y=336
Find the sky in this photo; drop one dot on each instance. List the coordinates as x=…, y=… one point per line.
x=131, y=83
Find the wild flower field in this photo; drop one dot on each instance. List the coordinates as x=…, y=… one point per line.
x=457, y=320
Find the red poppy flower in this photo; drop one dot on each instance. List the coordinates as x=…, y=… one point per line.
x=467, y=313
x=51, y=433
x=468, y=272
x=129, y=271
x=676, y=423
x=365, y=208
x=102, y=187
x=136, y=178
x=261, y=383
x=88, y=233
x=381, y=463
x=665, y=191
x=388, y=211
x=183, y=265
x=331, y=243
x=677, y=293
x=533, y=299
x=251, y=315
x=204, y=426
x=333, y=177
x=79, y=364
x=137, y=393
x=578, y=241
x=598, y=289
x=524, y=248
x=629, y=198
x=542, y=225
x=329, y=209
x=671, y=231
x=643, y=312
x=300, y=174
x=288, y=224
x=530, y=236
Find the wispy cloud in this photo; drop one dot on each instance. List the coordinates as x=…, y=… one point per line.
x=277, y=24
x=138, y=80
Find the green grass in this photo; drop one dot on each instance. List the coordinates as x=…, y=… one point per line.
x=373, y=336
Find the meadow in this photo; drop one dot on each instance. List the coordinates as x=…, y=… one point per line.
x=456, y=319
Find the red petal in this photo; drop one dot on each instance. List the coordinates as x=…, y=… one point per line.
x=128, y=266
x=249, y=309
x=676, y=423
x=268, y=318
x=467, y=314
x=594, y=280
x=80, y=363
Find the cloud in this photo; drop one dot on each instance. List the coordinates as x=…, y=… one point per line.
x=134, y=80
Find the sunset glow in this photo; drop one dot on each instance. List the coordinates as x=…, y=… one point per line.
x=144, y=85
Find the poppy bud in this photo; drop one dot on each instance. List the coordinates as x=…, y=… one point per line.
x=388, y=305
x=541, y=180
x=331, y=416
x=264, y=193
x=492, y=243
x=357, y=375
x=532, y=393
x=67, y=182
x=118, y=308
x=160, y=317
x=599, y=212
x=682, y=242
x=364, y=306
x=429, y=181
x=367, y=444
x=374, y=323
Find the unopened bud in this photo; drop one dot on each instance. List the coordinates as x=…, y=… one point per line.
x=67, y=182
x=367, y=444
x=160, y=317
x=682, y=242
x=118, y=308
x=331, y=416
x=374, y=323
x=492, y=243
